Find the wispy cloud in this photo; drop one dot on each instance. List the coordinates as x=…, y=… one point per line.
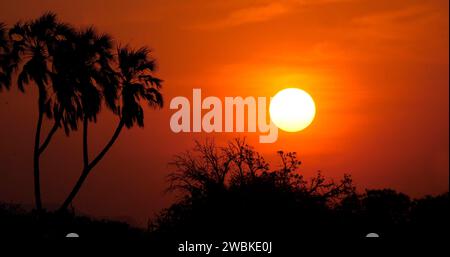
x=261, y=13
x=247, y=15
x=407, y=14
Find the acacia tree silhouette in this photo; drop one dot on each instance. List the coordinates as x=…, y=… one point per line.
x=228, y=191
x=237, y=164
x=32, y=48
x=135, y=83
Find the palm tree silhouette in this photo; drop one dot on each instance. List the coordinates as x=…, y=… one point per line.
x=85, y=78
x=33, y=45
x=5, y=61
x=135, y=83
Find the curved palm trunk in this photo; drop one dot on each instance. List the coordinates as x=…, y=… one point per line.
x=90, y=166
x=37, y=183
x=38, y=150
x=49, y=137
x=85, y=143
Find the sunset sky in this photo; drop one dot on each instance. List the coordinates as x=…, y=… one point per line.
x=377, y=70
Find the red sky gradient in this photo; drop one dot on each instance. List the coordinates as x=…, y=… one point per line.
x=378, y=71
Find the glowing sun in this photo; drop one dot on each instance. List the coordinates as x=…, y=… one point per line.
x=292, y=109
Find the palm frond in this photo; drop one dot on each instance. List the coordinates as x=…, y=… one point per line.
x=138, y=84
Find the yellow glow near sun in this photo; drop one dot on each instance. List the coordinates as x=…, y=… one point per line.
x=292, y=109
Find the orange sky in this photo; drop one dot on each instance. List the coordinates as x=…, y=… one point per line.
x=378, y=71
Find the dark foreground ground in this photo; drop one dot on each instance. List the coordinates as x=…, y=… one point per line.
x=288, y=229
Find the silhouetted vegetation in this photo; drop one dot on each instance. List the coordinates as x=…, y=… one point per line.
x=225, y=192
x=76, y=71
x=231, y=192
x=18, y=223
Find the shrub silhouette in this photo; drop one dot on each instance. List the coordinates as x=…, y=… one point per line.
x=16, y=223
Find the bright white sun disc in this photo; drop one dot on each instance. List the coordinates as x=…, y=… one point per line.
x=292, y=109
